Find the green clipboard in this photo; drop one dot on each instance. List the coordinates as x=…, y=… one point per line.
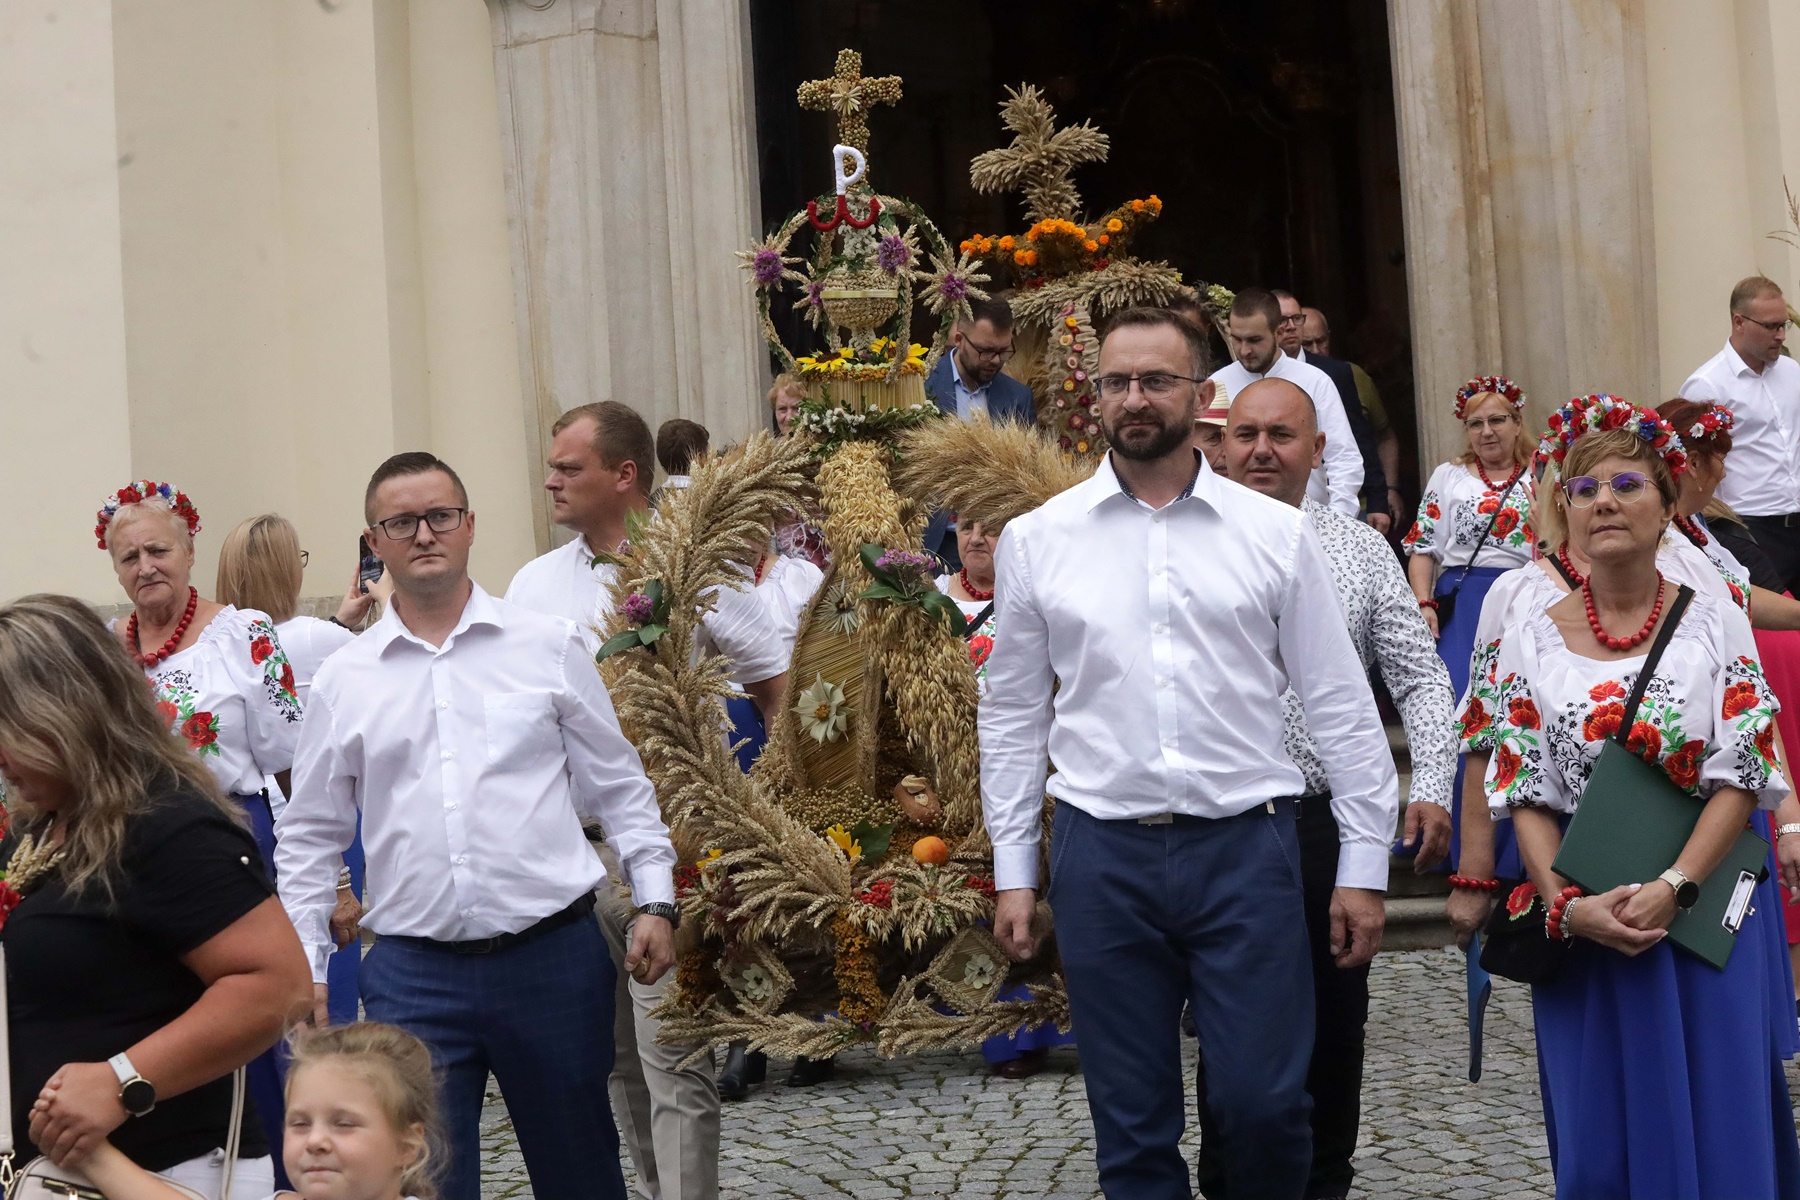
x=1633, y=822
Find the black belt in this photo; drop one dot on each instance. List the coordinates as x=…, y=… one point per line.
x=1267, y=808
x=490, y=945
x=1785, y=520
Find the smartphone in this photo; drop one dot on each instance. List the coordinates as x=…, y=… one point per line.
x=368, y=567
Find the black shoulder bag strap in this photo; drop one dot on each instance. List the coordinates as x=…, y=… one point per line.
x=1567, y=578
x=1449, y=601
x=973, y=623
x=1676, y=608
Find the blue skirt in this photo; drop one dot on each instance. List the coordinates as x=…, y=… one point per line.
x=265, y=1076
x=1456, y=641
x=746, y=726
x=1661, y=1074
x=1005, y=1047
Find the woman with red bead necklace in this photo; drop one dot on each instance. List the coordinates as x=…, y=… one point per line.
x=1661, y=1072
x=220, y=676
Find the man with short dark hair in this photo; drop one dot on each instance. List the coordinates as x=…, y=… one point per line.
x=1153, y=617
x=1761, y=387
x=1343, y=378
x=472, y=738
x=680, y=443
x=1271, y=444
x=1253, y=325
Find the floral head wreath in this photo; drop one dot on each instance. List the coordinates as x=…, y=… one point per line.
x=1481, y=385
x=1709, y=425
x=1596, y=413
x=137, y=493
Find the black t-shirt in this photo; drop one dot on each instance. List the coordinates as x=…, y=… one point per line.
x=87, y=979
x=1742, y=543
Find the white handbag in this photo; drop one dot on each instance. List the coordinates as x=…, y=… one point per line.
x=44, y=1180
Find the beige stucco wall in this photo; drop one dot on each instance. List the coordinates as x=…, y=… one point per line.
x=264, y=248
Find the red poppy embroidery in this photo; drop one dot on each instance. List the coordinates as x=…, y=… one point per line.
x=1683, y=766
x=1740, y=698
x=1506, y=522
x=1506, y=766
x=9, y=900
x=198, y=730
x=1737, y=595
x=1474, y=718
x=1521, y=900
x=1489, y=505
x=1522, y=712
x=1612, y=689
x=1645, y=741
x=287, y=678
x=167, y=711
x=1433, y=511
x=980, y=646
x=1765, y=742
x=1412, y=535
x=260, y=649
x=1603, y=722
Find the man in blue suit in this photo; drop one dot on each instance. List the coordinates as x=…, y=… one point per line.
x=970, y=379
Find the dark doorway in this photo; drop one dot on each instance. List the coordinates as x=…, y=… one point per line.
x=1267, y=129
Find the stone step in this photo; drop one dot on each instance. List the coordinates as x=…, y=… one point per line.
x=1416, y=923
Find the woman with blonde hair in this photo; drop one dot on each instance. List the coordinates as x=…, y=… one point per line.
x=146, y=955
x=261, y=568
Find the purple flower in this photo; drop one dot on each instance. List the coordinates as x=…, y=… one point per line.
x=908, y=564
x=815, y=293
x=953, y=287
x=638, y=609
x=892, y=254
x=766, y=267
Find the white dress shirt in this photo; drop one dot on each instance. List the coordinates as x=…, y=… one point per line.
x=1390, y=634
x=1764, y=475
x=472, y=765
x=568, y=583
x=1339, y=482
x=968, y=401
x=1145, y=653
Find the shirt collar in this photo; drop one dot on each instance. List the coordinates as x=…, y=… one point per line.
x=1738, y=365
x=1105, y=483
x=956, y=374
x=481, y=609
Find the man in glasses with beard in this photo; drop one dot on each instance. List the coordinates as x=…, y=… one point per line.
x=1153, y=618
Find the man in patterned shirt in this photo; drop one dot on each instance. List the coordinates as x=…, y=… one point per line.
x=1272, y=444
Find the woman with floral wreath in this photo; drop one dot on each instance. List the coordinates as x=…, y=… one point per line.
x=221, y=678
x=1474, y=525
x=1661, y=1072
x=146, y=955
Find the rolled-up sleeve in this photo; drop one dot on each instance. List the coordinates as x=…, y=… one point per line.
x=1015, y=718
x=1327, y=675
x=609, y=780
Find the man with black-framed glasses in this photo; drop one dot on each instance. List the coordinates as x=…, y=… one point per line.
x=472, y=738
x=1753, y=378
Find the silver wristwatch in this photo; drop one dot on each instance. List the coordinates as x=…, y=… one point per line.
x=663, y=909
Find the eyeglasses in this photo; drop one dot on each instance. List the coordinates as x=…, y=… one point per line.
x=1292, y=319
x=305, y=558
x=1627, y=488
x=1156, y=385
x=1477, y=424
x=406, y=526
x=988, y=353
x=1771, y=326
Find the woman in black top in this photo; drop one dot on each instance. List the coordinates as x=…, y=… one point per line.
x=137, y=917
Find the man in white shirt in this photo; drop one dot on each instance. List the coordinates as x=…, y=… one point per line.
x=600, y=467
x=473, y=737
x=1761, y=387
x=1271, y=446
x=680, y=443
x=1152, y=619
x=1253, y=322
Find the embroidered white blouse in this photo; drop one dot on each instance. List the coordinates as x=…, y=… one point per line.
x=1455, y=512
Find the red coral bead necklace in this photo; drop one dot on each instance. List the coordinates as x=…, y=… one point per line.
x=975, y=593
x=1562, y=556
x=167, y=648
x=1489, y=479
x=1694, y=533
x=1621, y=643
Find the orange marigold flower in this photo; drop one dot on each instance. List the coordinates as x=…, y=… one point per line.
x=1137, y=206
x=1114, y=225
x=1155, y=203
x=1091, y=246
x=1105, y=240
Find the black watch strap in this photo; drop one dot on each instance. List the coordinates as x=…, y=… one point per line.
x=666, y=911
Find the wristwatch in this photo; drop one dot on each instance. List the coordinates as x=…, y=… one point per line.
x=667, y=912
x=1687, y=892
x=136, y=1093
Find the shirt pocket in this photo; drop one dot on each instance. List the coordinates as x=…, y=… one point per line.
x=520, y=727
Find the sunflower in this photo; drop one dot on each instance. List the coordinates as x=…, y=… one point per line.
x=840, y=837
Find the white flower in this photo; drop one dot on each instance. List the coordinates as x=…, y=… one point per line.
x=979, y=971
x=821, y=711
x=754, y=984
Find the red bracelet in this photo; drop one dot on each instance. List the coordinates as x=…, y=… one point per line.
x=1474, y=885
x=1431, y=604
x=1553, y=918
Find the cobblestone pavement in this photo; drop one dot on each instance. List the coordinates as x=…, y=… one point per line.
x=940, y=1126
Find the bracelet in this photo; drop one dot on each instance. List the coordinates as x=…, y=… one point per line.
x=1788, y=830
x=333, y=619
x=343, y=879
x=1553, y=919
x=1568, y=914
x=1474, y=885
x=1431, y=604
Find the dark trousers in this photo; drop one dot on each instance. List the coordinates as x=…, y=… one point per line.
x=539, y=1015
x=1341, y=1011
x=265, y=1076
x=1779, y=538
x=1209, y=913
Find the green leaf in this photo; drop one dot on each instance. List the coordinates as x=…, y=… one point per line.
x=628, y=640
x=883, y=591
x=648, y=634
x=944, y=609
x=872, y=838
x=869, y=553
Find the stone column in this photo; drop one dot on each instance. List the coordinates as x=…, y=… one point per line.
x=628, y=133
x=1526, y=178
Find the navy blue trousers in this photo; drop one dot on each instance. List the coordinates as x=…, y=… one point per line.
x=265, y=1076
x=1206, y=912
x=539, y=1015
